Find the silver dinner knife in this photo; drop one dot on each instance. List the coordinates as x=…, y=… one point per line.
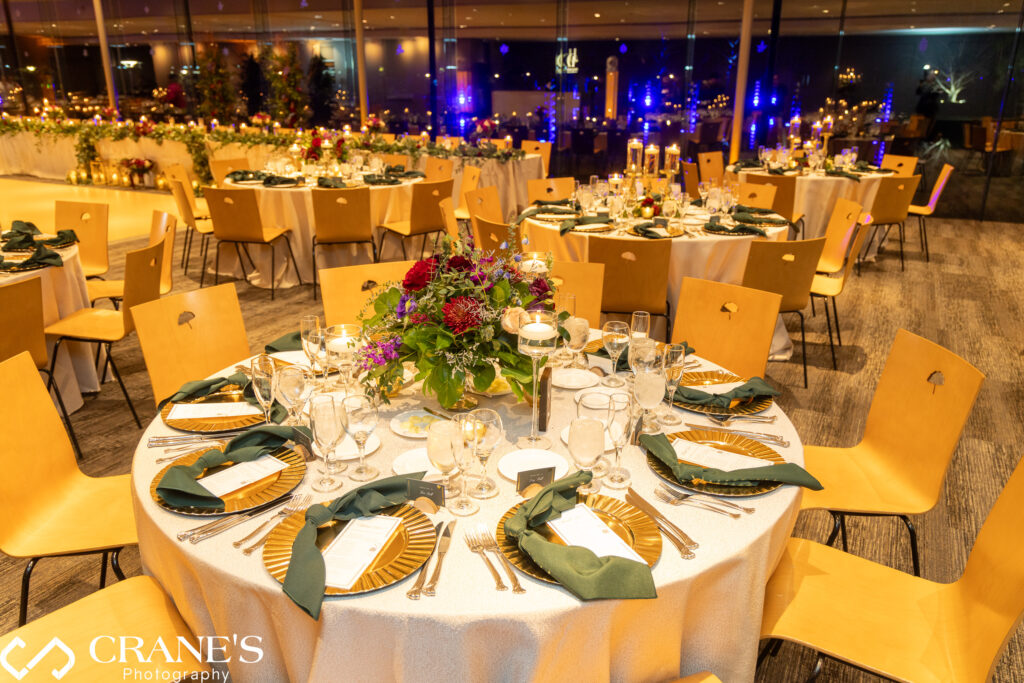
x=638, y=500
x=442, y=550
x=417, y=588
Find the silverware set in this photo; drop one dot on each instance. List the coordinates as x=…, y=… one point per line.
x=480, y=542
x=187, y=439
x=667, y=495
x=444, y=540
x=683, y=543
x=772, y=439
x=178, y=451
x=726, y=420
x=217, y=526
x=300, y=503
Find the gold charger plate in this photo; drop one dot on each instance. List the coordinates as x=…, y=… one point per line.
x=403, y=554
x=629, y=523
x=597, y=228
x=229, y=394
x=709, y=377
x=731, y=443
x=18, y=268
x=258, y=493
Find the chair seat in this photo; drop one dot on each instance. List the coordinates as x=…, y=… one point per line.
x=83, y=514
x=404, y=228
x=916, y=210
x=137, y=607
x=104, y=289
x=93, y=271
x=892, y=623
x=860, y=479
x=204, y=226
x=462, y=214
x=100, y=324
x=823, y=285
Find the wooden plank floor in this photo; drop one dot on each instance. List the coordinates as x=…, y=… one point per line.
x=967, y=299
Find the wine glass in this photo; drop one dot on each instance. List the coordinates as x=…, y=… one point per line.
x=262, y=368
x=325, y=419
x=615, y=206
x=586, y=445
x=703, y=188
x=649, y=392
x=621, y=418
x=489, y=433
x=537, y=336
x=579, y=335
x=309, y=325
x=340, y=344
x=443, y=437
x=466, y=435
x=360, y=420
x=585, y=196
x=640, y=324
x=292, y=388
x=563, y=303
x=615, y=335
x=673, y=360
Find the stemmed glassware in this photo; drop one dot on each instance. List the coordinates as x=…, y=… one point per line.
x=579, y=334
x=466, y=434
x=443, y=437
x=640, y=324
x=586, y=445
x=615, y=335
x=488, y=434
x=562, y=356
x=621, y=418
x=537, y=335
x=325, y=419
x=292, y=387
x=704, y=188
x=360, y=420
x=648, y=387
x=341, y=343
x=312, y=336
x=263, y=368
x=673, y=360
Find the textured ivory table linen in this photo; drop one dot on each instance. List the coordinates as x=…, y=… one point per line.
x=707, y=614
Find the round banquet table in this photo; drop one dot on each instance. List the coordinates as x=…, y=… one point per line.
x=707, y=614
x=292, y=207
x=64, y=293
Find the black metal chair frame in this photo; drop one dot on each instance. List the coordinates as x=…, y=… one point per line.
x=315, y=243
x=242, y=246
x=26, y=576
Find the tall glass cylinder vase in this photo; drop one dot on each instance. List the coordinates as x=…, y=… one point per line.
x=537, y=335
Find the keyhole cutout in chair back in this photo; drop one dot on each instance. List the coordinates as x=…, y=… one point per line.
x=186, y=317
x=86, y=216
x=900, y=187
x=229, y=200
x=341, y=200
x=788, y=258
x=550, y=190
x=752, y=195
x=937, y=378
x=152, y=263
x=368, y=285
x=729, y=307
x=435, y=193
x=628, y=256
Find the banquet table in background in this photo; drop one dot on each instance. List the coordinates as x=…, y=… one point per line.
x=509, y=177
x=707, y=614
x=42, y=157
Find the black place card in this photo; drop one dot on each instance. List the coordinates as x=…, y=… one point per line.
x=541, y=476
x=661, y=222
x=432, y=491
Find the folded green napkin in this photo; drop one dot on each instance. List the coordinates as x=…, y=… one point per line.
x=534, y=210
x=410, y=174
x=25, y=227
x=553, y=202
x=205, y=387
x=747, y=163
x=623, y=363
x=307, y=574
x=569, y=223
x=374, y=179
x=246, y=174
x=840, y=173
x=281, y=181
x=697, y=201
x=330, y=183
x=865, y=167
x=787, y=473
x=776, y=171
x=744, y=217
x=64, y=238
x=179, y=487
x=21, y=241
x=286, y=342
x=41, y=256
x=394, y=169
x=752, y=388
x=743, y=208
x=645, y=229
x=586, y=575
x=715, y=225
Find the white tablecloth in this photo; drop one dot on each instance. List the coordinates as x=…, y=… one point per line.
x=43, y=157
x=707, y=614
x=64, y=293
x=509, y=177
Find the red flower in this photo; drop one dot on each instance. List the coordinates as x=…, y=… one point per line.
x=540, y=288
x=460, y=263
x=421, y=273
x=315, y=142
x=648, y=201
x=462, y=314
x=418, y=318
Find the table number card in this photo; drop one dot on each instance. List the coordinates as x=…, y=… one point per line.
x=432, y=491
x=241, y=475
x=356, y=547
x=541, y=477
x=706, y=456
x=192, y=411
x=581, y=526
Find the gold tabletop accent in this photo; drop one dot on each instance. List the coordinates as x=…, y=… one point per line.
x=731, y=443
x=743, y=407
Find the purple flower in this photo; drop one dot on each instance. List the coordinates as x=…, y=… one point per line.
x=406, y=305
x=379, y=353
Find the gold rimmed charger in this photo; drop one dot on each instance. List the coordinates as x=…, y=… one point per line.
x=232, y=393
x=405, y=552
x=595, y=345
x=711, y=377
x=258, y=493
x=19, y=268
x=596, y=228
x=629, y=523
x=731, y=443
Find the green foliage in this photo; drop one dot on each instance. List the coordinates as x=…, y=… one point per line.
x=217, y=95
x=286, y=99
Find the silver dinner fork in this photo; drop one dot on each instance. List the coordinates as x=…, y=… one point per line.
x=711, y=499
x=300, y=503
x=491, y=543
x=476, y=544
x=726, y=420
x=665, y=498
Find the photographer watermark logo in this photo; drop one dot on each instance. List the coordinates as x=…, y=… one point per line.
x=22, y=672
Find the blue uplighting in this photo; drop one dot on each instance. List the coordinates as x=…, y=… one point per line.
x=503, y=49
x=622, y=48
x=761, y=47
x=399, y=50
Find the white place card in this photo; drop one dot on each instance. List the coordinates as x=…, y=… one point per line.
x=192, y=411
x=356, y=547
x=241, y=475
x=580, y=526
x=707, y=456
x=717, y=388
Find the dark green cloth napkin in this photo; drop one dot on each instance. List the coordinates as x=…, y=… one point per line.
x=21, y=241
x=307, y=574
x=246, y=174
x=374, y=179
x=659, y=446
x=534, y=210
x=286, y=342
x=179, y=487
x=394, y=169
x=586, y=575
x=42, y=255
x=25, y=228
x=744, y=217
x=205, y=387
x=330, y=183
x=776, y=171
x=747, y=163
x=840, y=173
x=646, y=229
x=697, y=201
x=715, y=225
x=743, y=208
x=553, y=202
x=752, y=388
x=569, y=223
x=281, y=181
x=64, y=238
x=865, y=167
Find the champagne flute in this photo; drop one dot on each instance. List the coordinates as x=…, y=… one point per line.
x=441, y=442
x=649, y=391
x=673, y=361
x=262, y=369
x=490, y=433
x=586, y=444
x=312, y=340
x=579, y=334
x=640, y=324
x=360, y=420
x=615, y=335
x=621, y=418
x=292, y=387
x=325, y=420
x=537, y=337
x=464, y=445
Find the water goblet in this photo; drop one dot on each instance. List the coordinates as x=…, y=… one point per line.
x=579, y=335
x=586, y=445
x=621, y=419
x=292, y=388
x=489, y=433
x=464, y=441
x=361, y=419
x=443, y=437
x=673, y=360
x=325, y=419
x=262, y=370
x=615, y=336
x=649, y=392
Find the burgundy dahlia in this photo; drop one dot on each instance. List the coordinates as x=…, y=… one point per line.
x=540, y=288
x=420, y=275
x=460, y=263
x=462, y=314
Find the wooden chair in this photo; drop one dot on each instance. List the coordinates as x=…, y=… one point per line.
x=828, y=287
x=424, y=213
x=470, y=182
x=785, y=194
x=236, y=220
x=347, y=290
x=451, y=223
x=439, y=169
x=48, y=508
x=845, y=216
x=193, y=226
x=787, y=269
x=691, y=180
x=21, y=309
x=341, y=216
x=891, y=206
x=388, y=137
x=549, y=189
x=924, y=211
x=220, y=168
x=727, y=324
x=136, y=606
x=643, y=265
x=898, y=626
x=541, y=148
x=161, y=231
x=90, y=222
x=402, y=160
x=488, y=236
x=485, y=203
x=757, y=195
x=700, y=677
x=918, y=412
x=181, y=174
x=189, y=336
x=712, y=167
x=903, y=165
x=585, y=281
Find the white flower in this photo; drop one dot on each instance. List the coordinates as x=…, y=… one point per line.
x=510, y=319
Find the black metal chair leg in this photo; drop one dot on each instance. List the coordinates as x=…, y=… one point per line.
x=924, y=238
x=900, y=225
x=818, y=665
x=835, y=316
x=103, y=570
x=814, y=313
x=842, y=531
x=113, y=366
x=831, y=346
x=291, y=255
x=915, y=558
x=216, y=267
x=314, y=269
x=803, y=345
x=26, y=577
x=273, y=269
x=115, y=563
x=401, y=239
x=184, y=249
x=252, y=264
x=241, y=263
x=52, y=384
x=770, y=649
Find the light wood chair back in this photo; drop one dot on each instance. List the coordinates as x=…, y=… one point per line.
x=347, y=290
x=90, y=221
x=488, y=236
x=500, y=143
x=712, y=166
x=439, y=169
x=860, y=232
x=585, y=281
x=425, y=212
x=940, y=185
x=727, y=324
x=181, y=174
x=470, y=182
x=342, y=215
x=485, y=203
x=549, y=189
x=892, y=200
x=162, y=230
x=142, y=272
x=691, y=179
x=402, y=160
x=643, y=264
x=903, y=165
x=235, y=214
x=450, y=140
x=786, y=268
x=841, y=225
x=185, y=210
x=388, y=137
x=757, y=195
x=785, y=192
x=21, y=309
x=451, y=223
x=219, y=168
x=541, y=148
x=189, y=336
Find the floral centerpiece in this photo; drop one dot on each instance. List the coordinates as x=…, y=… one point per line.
x=648, y=206
x=315, y=149
x=455, y=317
x=136, y=168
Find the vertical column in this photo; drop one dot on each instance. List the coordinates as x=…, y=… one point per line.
x=16, y=56
x=432, y=64
x=101, y=33
x=741, y=81
x=839, y=52
x=357, y=9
